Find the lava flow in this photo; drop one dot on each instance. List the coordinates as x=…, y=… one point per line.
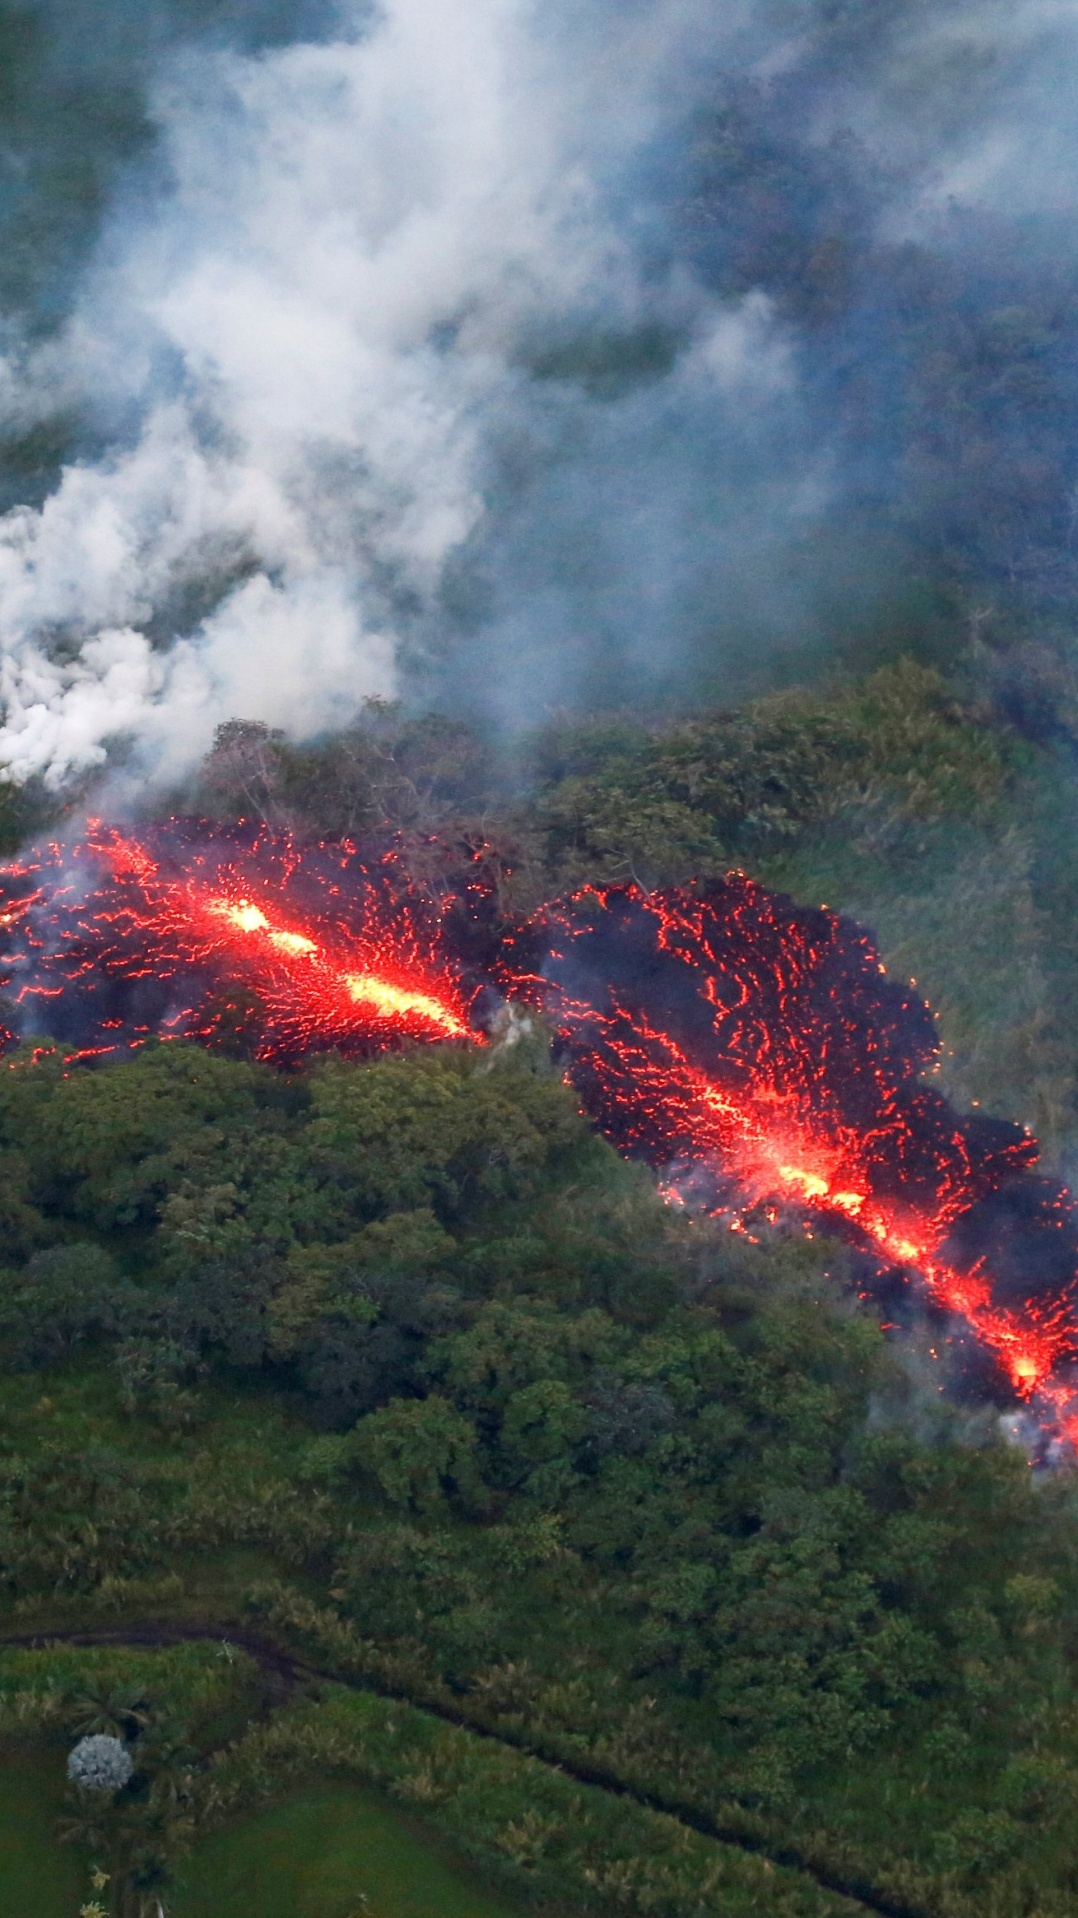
x=194, y=932
x=733, y=1034
x=751, y=1050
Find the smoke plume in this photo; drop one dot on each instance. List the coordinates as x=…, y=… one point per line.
x=516, y=354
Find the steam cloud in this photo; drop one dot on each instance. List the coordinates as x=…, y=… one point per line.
x=412, y=358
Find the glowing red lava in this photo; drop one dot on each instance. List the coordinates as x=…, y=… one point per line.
x=736, y=1032
x=359, y=968
x=724, y=1035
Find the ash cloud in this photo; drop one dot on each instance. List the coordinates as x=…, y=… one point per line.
x=516, y=355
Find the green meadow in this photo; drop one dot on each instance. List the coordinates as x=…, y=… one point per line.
x=333, y=1852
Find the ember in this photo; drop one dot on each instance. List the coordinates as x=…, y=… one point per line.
x=751, y=1047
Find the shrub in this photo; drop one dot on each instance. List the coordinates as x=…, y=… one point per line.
x=100, y=1763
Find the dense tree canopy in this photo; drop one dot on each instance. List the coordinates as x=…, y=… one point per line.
x=651, y=1489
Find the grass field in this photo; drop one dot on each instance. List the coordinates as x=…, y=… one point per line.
x=38, y=1877
x=333, y=1852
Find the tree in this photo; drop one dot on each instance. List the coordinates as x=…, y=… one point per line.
x=421, y=1452
x=116, y=1712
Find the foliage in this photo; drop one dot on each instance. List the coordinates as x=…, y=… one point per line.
x=412, y=773
x=706, y=793
x=619, y=798
x=530, y=1828
x=366, y=1210
x=651, y=1498
x=129, y=1801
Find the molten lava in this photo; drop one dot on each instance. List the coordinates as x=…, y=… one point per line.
x=735, y=1033
x=751, y=1047
x=323, y=978
x=174, y=935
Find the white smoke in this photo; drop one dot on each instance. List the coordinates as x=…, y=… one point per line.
x=972, y=98
x=309, y=319
x=308, y=334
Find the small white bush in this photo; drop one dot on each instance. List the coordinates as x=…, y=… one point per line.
x=100, y=1763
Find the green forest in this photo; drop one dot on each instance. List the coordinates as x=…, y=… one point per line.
x=380, y=1455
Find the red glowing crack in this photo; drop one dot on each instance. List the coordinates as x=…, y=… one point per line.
x=367, y=983
x=771, y=1156
x=813, y=1098
x=385, y=999
x=290, y=965
x=728, y=1030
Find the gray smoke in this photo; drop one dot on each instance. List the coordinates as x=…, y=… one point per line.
x=403, y=371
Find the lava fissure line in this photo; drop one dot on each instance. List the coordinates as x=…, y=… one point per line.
x=297, y=1671
x=213, y=913
x=808, y=1089
x=758, y=1041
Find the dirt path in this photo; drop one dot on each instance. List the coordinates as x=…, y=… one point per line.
x=293, y=1672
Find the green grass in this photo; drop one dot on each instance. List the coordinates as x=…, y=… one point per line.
x=333, y=1852
x=38, y=1877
